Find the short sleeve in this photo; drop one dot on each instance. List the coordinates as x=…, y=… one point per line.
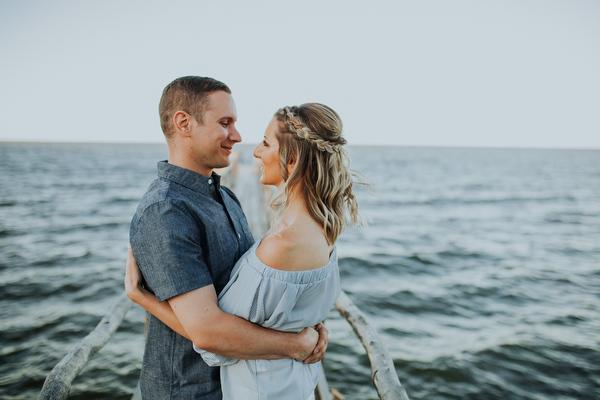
x=167, y=247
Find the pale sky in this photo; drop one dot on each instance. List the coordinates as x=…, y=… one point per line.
x=505, y=73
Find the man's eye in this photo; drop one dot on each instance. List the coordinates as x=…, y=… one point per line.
x=225, y=124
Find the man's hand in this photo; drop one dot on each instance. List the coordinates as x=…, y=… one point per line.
x=321, y=347
x=309, y=338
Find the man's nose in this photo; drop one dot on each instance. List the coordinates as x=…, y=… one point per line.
x=235, y=136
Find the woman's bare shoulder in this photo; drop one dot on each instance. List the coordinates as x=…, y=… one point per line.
x=294, y=250
x=275, y=251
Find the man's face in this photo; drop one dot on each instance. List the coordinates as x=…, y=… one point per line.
x=213, y=140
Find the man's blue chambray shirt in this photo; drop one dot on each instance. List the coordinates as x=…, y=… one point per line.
x=187, y=233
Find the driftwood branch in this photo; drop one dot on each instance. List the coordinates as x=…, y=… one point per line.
x=58, y=383
x=322, y=391
x=383, y=372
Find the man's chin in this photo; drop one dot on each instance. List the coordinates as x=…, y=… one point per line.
x=223, y=164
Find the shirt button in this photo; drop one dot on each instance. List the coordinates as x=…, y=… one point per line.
x=239, y=236
x=210, y=181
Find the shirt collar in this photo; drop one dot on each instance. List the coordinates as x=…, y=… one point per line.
x=188, y=178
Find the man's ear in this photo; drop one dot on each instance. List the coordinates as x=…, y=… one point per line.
x=182, y=123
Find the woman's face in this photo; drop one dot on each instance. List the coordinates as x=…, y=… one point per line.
x=268, y=153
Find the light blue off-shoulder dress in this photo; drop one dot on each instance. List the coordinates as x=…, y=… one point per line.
x=285, y=301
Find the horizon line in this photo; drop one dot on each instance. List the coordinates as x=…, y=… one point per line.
x=21, y=141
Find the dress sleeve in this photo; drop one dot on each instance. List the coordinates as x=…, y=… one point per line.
x=214, y=360
x=265, y=298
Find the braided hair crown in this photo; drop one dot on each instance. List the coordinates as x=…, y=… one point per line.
x=326, y=132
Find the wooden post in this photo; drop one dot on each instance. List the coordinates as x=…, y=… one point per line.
x=383, y=372
x=254, y=198
x=58, y=383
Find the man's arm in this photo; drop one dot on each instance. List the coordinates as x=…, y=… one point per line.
x=218, y=332
x=196, y=316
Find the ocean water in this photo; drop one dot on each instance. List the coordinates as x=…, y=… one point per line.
x=480, y=268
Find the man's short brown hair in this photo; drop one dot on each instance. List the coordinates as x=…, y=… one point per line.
x=189, y=94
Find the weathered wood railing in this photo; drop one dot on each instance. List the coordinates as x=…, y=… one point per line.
x=58, y=382
x=383, y=374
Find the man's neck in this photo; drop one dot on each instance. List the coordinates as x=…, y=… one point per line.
x=180, y=160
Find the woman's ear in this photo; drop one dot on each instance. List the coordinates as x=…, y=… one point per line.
x=291, y=164
x=182, y=123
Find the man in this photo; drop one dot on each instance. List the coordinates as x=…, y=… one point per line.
x=186, y=235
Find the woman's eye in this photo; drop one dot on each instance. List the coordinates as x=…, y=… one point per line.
x=265, y=143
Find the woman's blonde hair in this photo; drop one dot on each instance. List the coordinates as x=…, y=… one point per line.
x=310, y=136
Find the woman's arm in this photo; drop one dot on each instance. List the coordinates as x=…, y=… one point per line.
x=139, y=295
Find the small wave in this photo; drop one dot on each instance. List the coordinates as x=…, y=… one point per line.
x=505, y=371
x=421, y=259
x=407, y=302
x=388, y=264
x=5, y=232
x=351, y=266
x=566, y=320
x=88, y=226
x=61, y=259
x=48, y=324
x=124, y=200
x=447, y=369
x=31, y=290
x=460, y=254
x=486, y=292
x=74, y=327
x=436, y=202
x=8, y=203
x=106, y=288
x=580, y=217
x=563, y=220
x=538, y=360
x=398, y=333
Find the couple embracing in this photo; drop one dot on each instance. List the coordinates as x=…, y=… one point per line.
x=231, y=318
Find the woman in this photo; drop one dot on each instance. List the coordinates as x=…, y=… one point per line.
x=289, y=279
